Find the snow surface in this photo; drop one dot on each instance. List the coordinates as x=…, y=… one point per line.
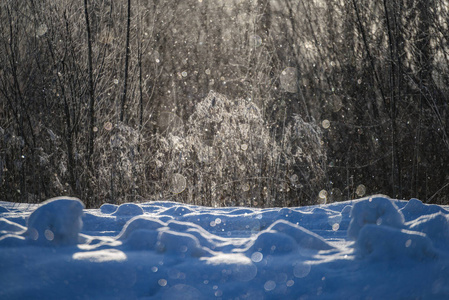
x=371, y=248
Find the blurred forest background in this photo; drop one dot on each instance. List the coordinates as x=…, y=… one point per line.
x=216, y=102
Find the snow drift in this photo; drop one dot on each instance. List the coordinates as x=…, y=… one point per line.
x=373, y=247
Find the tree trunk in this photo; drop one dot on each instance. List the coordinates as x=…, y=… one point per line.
x=127, y=52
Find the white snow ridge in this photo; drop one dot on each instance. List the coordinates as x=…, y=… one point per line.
x=371, y=248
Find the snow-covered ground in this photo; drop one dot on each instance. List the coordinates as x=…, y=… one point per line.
x=371, y=248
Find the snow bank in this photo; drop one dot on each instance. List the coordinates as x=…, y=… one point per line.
x=141, y=239
x=108, y=208
x=57, y=222
x=168, y=250
x=415, y=208
x=435, y=226
x=385, y=243
x=178, y=243
x=303, y=237
x=273, y=243
x=375, y=210
x=206, y=238
x=128, y=209
x=184, y=238
x=378, y=227
x=140, y=223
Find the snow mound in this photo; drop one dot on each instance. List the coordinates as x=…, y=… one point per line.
x=271, y=242
x=415, y=208
x=303, y=237
x=184, y=226
x=174, y=237
x=3, y=209
x=108, y=208
x=128, y=209
x=140, y=223
x=388, y=243
x=179, y=243
x=435, y=226
x=141, y=239
x=180, y=251
x=377, y=210
x=57, y=222
x=205, y=238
